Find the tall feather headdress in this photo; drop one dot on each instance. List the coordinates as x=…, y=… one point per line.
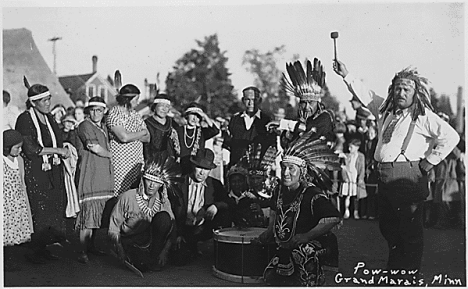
x=315, y=156
x=163, y=169
x=307, y=85
x=258, y=163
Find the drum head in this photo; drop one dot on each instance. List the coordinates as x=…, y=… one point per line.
x=235, y=235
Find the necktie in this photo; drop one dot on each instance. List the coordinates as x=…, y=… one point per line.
x=387, y=134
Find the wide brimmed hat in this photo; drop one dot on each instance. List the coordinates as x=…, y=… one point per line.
x=204, y=159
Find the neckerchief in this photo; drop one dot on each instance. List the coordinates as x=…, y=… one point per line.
x=45, y=159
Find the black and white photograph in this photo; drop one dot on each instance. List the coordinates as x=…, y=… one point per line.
x=210, y=143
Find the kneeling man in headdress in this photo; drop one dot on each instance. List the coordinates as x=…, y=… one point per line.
x=142, y=224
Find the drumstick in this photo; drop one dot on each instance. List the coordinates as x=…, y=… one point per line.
x=334, y=35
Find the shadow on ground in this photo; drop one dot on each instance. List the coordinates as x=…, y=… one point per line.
x=359, y=241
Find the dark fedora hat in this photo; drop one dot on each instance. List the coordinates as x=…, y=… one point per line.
x=204, y=159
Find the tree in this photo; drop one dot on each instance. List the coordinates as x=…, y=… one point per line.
x=329, y=100
x=267, y=79
x=441, y=103
x=201, y=75
x=267, y=76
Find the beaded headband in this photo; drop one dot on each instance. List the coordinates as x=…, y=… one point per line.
x=196, y=110
x=294, y=160
x=40, y=96
x=407, y=81
x=96, y=103
x=162, y=100
x=154, y=178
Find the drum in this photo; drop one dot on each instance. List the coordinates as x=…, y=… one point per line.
x=236, y=259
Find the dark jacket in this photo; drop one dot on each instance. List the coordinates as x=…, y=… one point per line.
x=214, y=194
x=241, y=137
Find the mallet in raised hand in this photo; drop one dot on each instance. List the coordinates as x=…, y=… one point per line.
x=334, y=35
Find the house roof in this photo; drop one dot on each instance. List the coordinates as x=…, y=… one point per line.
x=74, y=81
x=21, y=57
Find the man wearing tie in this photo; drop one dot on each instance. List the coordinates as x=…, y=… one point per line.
x=203, y=205
x=249, y=126
x=412, y=140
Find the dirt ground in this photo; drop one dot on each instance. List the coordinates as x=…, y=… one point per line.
x=360, y=242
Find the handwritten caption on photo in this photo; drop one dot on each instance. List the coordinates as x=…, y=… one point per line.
x=363, y=275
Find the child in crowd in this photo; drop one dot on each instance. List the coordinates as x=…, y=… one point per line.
x=69, y=124
x=353, y=172
x=17, y=220
x=243, y=206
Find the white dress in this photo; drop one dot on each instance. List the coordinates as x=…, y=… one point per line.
x=17, y=221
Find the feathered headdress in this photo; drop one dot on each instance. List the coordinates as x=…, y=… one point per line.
x=163, y=169
x=307, y=85
x=422, y=97
x=314, y=156
x=117, y=80
x=256, y=163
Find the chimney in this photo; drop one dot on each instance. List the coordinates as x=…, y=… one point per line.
x=94, y=63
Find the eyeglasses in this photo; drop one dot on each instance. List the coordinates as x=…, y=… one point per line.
x=100, y=110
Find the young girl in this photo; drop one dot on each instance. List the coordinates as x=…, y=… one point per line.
x=353, y=178
x=17, y=221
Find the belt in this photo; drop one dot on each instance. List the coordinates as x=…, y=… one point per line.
x=387, y=164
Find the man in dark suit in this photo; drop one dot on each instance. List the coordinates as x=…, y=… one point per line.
x=248, y=126
x=202, y=204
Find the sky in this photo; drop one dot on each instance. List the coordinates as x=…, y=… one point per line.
x=376, y=38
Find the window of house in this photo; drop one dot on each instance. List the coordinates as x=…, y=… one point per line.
x=103, y=92
x=91, y=90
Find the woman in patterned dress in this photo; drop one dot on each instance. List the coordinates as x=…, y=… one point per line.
x=96, y=177
x=43, y=168
x=127, y=134
x=17, y=221
x=301, y=218
x=192, y=136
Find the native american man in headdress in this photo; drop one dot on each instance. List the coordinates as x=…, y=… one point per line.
x=412, y=139
x=308, y=87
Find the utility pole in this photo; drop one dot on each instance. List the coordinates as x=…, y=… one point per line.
x=54, y=52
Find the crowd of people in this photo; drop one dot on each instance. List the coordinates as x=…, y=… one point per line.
x=159, y=186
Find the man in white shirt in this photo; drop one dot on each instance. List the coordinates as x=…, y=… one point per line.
x=412, y=139
x=249, y=126
x=203, y=205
